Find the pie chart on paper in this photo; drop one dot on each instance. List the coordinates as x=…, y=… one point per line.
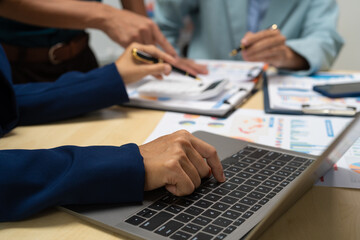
x=355, y=167
x=187, y=123
x=215, y=125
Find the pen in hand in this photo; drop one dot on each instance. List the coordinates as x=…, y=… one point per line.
x=235, y=51
x=147, y=58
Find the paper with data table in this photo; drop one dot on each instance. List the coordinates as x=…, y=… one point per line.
x=306, y=134
x=239, y=87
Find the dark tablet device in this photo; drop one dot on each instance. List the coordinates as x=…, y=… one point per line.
x=339, y=90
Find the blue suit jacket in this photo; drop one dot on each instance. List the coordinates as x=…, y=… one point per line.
x=32, y=180
x=309, y=26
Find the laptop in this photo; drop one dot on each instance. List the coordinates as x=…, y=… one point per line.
x=262, y=183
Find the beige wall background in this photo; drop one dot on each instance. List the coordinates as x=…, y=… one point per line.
x=348, y=26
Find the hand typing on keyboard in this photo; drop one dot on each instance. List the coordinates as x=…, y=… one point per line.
x=176, y=161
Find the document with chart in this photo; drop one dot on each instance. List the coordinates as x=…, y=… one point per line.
x=290, y=94
x=228, y=85
x=305, y=134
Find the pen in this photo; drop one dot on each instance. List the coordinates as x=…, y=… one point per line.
x=329, y=110
x=235, y=51
x=231, y=95
x=147, y=58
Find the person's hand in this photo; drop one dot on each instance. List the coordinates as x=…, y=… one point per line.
x=125, y=27
x=190, y=66
x=132, y=70
x=269, y=46
x=178, y=161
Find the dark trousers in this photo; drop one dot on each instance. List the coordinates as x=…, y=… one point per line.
x=25, y=72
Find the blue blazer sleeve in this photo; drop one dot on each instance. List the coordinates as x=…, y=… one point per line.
x=9, y=114
x=74, y=93
x=33, y=180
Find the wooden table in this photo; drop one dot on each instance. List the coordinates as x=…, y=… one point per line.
x=322, y=213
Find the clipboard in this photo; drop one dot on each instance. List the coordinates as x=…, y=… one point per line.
x=221, y=106
x=243, y=83
x=340, y=110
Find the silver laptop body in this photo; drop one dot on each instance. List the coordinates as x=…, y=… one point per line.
x=240, y=218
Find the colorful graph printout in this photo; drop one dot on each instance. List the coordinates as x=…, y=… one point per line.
x=307, y=134
x=291, y=92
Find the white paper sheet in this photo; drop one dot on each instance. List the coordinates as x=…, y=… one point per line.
x=291, y=92
x=239, y=88
x=235, y=71
x=306, y=134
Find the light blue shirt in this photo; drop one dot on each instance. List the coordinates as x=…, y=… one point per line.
x=256, y=12
x=308, y=25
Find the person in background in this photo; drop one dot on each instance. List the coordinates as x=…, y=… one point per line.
x=306, y=39
x=33, y=180
x=45, y=39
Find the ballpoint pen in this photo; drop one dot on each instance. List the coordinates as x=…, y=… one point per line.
x=330, y=109
x=147, y=58
x=235, y=51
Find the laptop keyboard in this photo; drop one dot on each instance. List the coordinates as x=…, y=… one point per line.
x=214, y=210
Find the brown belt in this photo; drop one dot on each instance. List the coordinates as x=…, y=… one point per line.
x=56, y=54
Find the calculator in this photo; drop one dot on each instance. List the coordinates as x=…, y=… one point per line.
x=187, y=90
